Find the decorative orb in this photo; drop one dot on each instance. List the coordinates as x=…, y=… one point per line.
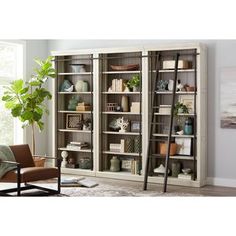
x=64, y=154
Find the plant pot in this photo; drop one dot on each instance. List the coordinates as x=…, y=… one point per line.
x=135, y=89
x=163, y=148
x=39, y=161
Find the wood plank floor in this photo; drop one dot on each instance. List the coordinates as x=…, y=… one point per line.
x=203, y=191
x=211, y=191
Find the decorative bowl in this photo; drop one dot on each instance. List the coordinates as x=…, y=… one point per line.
x=125, y=67
x=78, y=68
x=186, y=171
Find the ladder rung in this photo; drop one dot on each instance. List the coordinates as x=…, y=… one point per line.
x=157, y=123
x=157, y=140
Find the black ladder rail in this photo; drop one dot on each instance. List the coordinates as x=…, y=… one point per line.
x=151, y=123
x=171, y=124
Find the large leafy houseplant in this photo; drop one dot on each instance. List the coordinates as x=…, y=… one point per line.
x=26, y=100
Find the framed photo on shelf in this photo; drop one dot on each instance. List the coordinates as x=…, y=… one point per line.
x=135, y=126
x=74, y=121
x=187, y=101
x=184, y=146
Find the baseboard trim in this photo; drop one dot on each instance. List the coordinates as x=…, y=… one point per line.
x=221, y=182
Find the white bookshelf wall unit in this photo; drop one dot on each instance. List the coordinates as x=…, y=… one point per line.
x=74, y=112
x=107, y=72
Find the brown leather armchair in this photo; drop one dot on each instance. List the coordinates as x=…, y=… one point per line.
x=26, y=172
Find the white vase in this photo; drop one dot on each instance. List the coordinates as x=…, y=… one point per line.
x=124, y=103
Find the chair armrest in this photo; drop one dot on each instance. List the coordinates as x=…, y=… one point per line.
x=10, y=162
x=48, y=157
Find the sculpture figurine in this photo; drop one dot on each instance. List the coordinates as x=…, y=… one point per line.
x=122, y=124
x=179, y=86
x=73, y=102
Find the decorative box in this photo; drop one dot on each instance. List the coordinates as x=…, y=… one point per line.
x=170, y=64
x=165, y=109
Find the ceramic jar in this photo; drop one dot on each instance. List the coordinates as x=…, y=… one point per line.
x=115, y=164
x=73, y=102
x=188, y=127
x=79, y=86
x=175, y=168
x=124, y=103
x=85, y=163
x=85, y=86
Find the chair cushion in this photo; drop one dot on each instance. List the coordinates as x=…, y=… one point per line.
x=29, y=174
x=23, y=155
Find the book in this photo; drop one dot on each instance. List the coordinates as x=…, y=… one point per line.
x=78, y=182
x=87, y=183
x=71, y=180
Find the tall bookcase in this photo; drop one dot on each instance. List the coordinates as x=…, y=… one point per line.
x=102, y=78
x=74, y=125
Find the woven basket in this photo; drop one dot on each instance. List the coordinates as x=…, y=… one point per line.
x=39, y=161
x=163, y=148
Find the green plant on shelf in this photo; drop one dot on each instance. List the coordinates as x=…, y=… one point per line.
x=180, y=108
x=134, y=83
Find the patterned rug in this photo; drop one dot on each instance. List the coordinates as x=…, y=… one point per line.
x=106, y=190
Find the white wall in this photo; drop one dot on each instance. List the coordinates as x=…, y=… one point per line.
x=36, y=49
x=221, y=142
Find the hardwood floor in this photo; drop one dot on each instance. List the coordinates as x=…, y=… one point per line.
x=211, y=191
x=208, y=190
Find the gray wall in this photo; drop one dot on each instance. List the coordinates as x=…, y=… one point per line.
x=221, y=53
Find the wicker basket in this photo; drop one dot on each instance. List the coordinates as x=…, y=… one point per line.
x=163, y=148
x=39, y=161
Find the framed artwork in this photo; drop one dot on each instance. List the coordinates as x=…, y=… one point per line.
x=135, y=126
x=187, y=101
x=74, y=121
x=183, y=146
x=227, y=98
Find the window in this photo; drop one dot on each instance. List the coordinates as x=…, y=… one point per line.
x=11, y=68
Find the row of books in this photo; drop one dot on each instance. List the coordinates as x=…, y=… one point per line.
x=134, y=167
x=118, y=85
x=77, y=145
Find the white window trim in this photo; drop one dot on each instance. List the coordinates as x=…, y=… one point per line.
x=19, y=132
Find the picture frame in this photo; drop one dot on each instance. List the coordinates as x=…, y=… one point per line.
x=188, y=101
x=184, y=146
x=74, y=121
x=135, y=126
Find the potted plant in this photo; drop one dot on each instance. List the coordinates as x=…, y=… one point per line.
x=179, y=108
x=26, y=100
x=134, y=83
x=87, y=124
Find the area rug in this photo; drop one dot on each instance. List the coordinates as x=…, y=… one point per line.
x=105, y=190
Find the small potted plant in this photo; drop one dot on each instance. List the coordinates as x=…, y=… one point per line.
x=87, y=124
x=134, y=83
x=179, y=108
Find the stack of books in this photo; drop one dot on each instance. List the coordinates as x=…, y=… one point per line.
x=118, y=147
x=77, y=145
x=115, y=147
x=185, y=176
